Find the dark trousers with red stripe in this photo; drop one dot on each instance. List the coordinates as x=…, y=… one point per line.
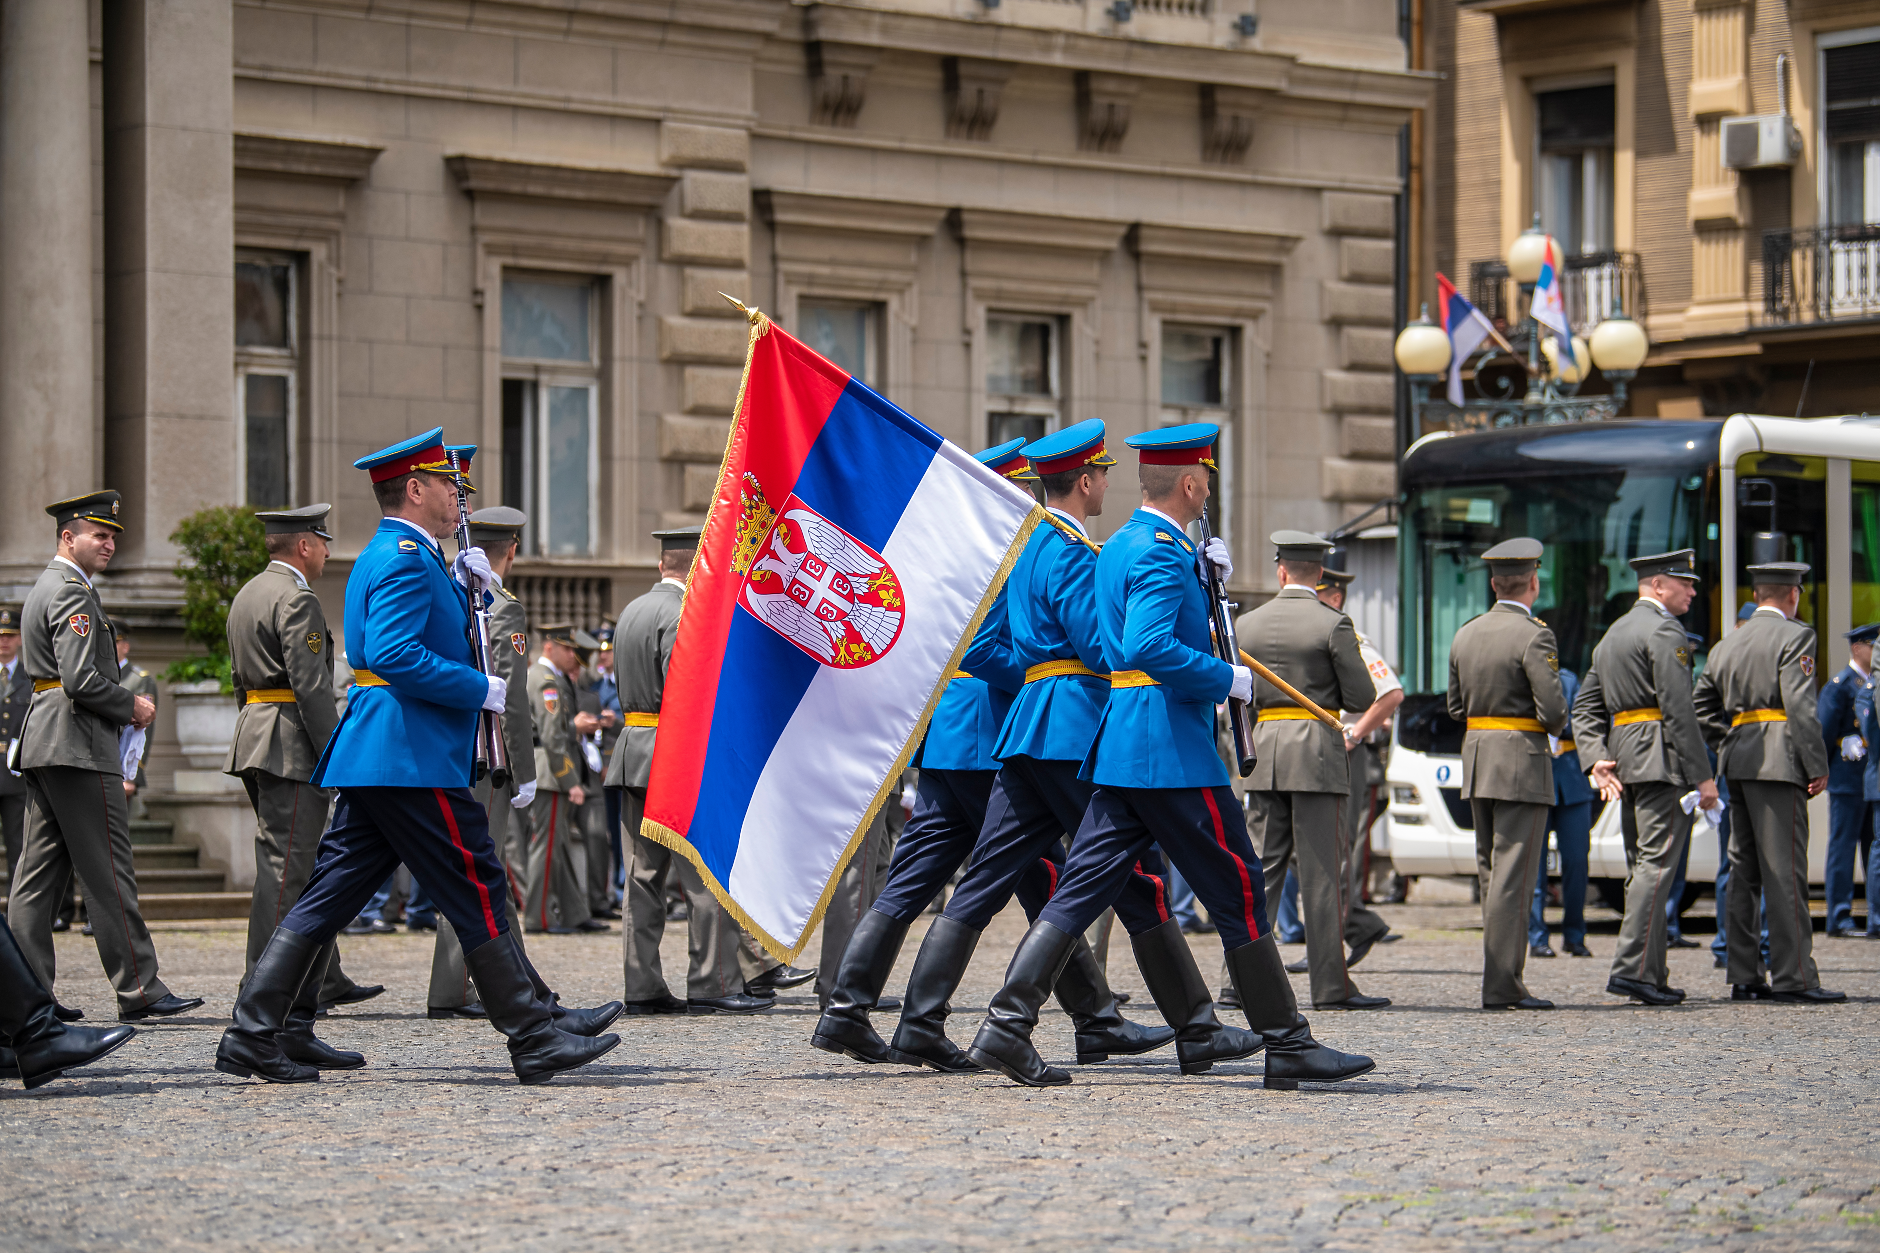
x=441, y=834
x=949, y=814
x=1201, y=829
x=1033, y=805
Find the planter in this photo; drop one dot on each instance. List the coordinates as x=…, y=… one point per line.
x=205, y=722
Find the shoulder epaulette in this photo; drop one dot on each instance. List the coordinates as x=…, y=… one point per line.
x=506, y=593
x=1070, y=532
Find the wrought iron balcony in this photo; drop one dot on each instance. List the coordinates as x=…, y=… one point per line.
x=1821, y=274
x=1591, y=283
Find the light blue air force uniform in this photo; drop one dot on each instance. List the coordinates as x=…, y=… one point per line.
x=1153, y=610
x=966, y=722
x=1054, y=619
x=407, y=623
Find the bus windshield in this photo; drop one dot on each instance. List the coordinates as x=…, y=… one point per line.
x=1596, y=496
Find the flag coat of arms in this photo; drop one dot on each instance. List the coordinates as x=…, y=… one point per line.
x=848, y=558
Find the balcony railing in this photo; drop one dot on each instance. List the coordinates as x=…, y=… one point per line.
x=1821, y=274
x=1591, y=284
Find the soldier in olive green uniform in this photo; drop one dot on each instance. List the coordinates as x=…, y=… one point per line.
x=282, y=656
x=1636, y=731
x=16, y=693
x=496, y=531
x=1301, y=779
x=555, y=902
x=76, y=817
x=1757, y=703
x=642, y=651
x=1504, y=681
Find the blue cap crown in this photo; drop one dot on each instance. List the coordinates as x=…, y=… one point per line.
x=1006, y=459
x=1072, y=448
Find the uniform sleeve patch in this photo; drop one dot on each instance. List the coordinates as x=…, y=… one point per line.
x=80, y=624
x=1807, y=662
x=314, y=642
x=407, y=545
x=1165, y=536
x=1553, y=662
x=520, y=643
x=549, y=697
x=1380, y=670
x=1684, y=656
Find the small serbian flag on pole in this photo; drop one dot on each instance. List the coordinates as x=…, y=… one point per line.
x=848, y=558
x=1550, y=308
x=1466, y=326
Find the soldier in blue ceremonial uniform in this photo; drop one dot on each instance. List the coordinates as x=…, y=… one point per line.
x=1850, y=813
x=1159, y=780
x=403, y=760
x=957, y=768
x=1866, y=718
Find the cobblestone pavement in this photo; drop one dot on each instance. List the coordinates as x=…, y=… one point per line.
x=1714, y=1125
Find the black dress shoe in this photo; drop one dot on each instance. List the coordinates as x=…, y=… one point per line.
x=170, y=1004
x=1354, y=1002
x=1809, y=996
x=1678, y=941
x=86, y=930
x=66, y=1014
x=473, y=1010
x=1842, y=933
x=667, y=1004
x=1526, y=1002
x=762, y=994
x=1540, y=950
x=586, y=1022
x=1300, y=967
x=60, y=924
x=1642, y=992
x=1757, y=991
x=1575, y=948
x=358, y=926
x=1363, y=947
x=1202, y=927
x=592, y=924
x=353, y=995
x=612, y=911
x=782, y=977
x=736, y=1003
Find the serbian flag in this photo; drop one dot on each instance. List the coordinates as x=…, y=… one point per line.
x=848, y=558
x=1466, y=327
x=1550, y=307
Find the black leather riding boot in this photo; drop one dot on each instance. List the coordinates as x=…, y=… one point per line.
x=1168, y=967
x=1101, y=1028
x=296, y=1037
x=866, y=964
x=251, y=1046
x=921, y=1039
x=42, y=1047
x=1291, y=1053
x=1004, y=1041
x=537, y=1048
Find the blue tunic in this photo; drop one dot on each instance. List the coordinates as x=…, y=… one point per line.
x=1153, y=610
x=1835, y=708
x=1053, y=615
x=1868, y=721
x=1571, y=786
x=966, y=722
x=408, y=623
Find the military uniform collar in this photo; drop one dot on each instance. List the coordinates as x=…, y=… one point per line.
x=551, y=666
x=1771, y=609
x=297, y=575
x=1514, y=606
x=1302, y=592
x=1081, y=530
x=1153, y=512
x=426, y=535
x=1655, y=603
x=86, y=578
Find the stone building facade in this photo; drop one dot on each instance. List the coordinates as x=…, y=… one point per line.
x=1632, y=126
x=514, y=219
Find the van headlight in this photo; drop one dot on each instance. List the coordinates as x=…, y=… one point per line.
x=1405, y=794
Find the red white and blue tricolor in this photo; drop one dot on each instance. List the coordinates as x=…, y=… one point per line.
x=1466, y=326
x=847, y=560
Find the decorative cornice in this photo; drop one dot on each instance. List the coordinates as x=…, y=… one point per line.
x=838, y=80
x=974, y=88
x=1243, y=247
x=1041, y=231
x=541, y=180
x=1103, y=102
x=850, y=214
x=303, y=156
x=1227, y=122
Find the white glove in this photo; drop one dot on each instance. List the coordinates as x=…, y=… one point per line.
x=525, y=796
x=498, y=694
x=1216, y=553
x=1242, y=688
x=1853, y=748
x=473, y=563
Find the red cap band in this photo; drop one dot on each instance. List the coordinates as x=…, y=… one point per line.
x=1203, y=456
x=432, y=460
x=1070, y=461
x=1014, y=464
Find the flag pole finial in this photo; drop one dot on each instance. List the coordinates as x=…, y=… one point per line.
x=754, y=314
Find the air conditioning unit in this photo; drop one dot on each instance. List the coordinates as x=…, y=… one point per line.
x=1765, y=142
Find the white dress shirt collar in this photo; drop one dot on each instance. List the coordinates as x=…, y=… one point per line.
x=298, y=576
x=81, y=573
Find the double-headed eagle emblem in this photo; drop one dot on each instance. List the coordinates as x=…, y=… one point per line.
x=813, y=583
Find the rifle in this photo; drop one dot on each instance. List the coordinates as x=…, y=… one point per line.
x=1227, y=647
x=492, y=759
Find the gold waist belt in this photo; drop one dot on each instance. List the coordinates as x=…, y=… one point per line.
x=639, y=720
x=959, y=674
x=365, y=678
x=1566, y=746
x=1052, y=669
x=1626, y=717
x=274, y=695
x=1507, y=724
x=1131, y=678
x=45, y=685
x=1758, y=715
x=1287, y=713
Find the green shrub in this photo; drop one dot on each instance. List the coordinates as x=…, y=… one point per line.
x=223, y=547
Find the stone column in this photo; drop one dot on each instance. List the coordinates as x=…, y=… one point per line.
x=48, y=440
x=169, y=272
